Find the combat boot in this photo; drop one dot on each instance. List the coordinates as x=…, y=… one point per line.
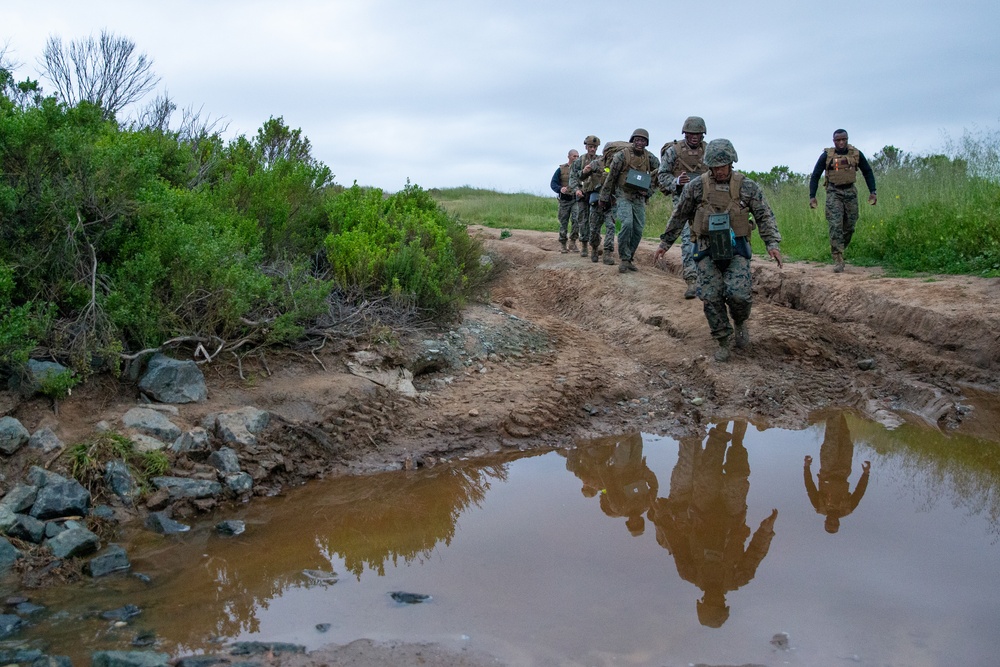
x=723, y=354
x=562, y=245
x=572, y=246
x=593, y=254
x=608, y=259
x=623, y=267
x=692, y=289
x=838, y=262
x=632, y=266
x=742, y=336
x=583, y=250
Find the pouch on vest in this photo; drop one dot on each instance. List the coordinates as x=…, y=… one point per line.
x=638, y=180
x=720, y=236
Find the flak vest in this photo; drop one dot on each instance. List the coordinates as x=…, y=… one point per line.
x=638, y=162
x=595, y=179
x=564, y=175
x=842, y=169
x=722, y=198
x=689, y=159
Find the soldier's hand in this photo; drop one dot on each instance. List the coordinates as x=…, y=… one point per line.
x=775, y=255
x=808, y=460
x=813, y=203
x=658, y=255
x=683, y=179
x=579, y=194
x=872, y=199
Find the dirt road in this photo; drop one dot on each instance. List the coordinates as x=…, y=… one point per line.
x=567, y=350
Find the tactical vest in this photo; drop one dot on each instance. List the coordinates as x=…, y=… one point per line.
x=638, y=162
x=595, y=179
x=721, y=198
x=564, y=175
x=689, y=159
x=842, y=169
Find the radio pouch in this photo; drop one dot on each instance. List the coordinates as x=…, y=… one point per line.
x=638, y=180
x=720, y=236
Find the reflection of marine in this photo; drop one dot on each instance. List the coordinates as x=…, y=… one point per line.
x=703, y=520
x=617, y=470
x=833, y=496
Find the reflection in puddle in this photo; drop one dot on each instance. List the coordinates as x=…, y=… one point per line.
x=630, y=550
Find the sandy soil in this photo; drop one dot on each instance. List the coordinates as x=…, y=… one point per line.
x=568, y=350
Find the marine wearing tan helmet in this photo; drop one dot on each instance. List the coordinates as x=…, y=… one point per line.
x=694, y=125
x=591, y=140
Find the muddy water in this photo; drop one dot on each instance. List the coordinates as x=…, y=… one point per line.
x=628, y=551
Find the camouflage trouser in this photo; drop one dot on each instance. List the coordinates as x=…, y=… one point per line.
x=841, y=216
x=567, y=215
x=631, y=213
x=582, y=211
x=598, y=220
x=690, y=271
x=719, y=288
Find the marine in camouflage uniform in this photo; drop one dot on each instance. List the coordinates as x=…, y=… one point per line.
x=724, y=285
x=582, y=184
x=567, y=208
x=841, y=163
x=630, y=208
x=600, y=217
x=680, y=161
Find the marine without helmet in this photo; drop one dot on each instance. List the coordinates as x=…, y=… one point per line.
x=719, y=153
x=639, y=132
x=694, y=125
x=591, y=140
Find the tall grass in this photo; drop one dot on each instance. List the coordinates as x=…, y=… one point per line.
x=936, y=213
x=526, y=211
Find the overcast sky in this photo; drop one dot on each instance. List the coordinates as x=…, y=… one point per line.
x=494, y=94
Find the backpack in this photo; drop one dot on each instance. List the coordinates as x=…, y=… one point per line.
x=611, y=148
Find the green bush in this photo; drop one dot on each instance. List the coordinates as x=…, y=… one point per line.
x=404, y=246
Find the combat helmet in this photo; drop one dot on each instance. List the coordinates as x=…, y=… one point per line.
x=694, y=125
x=639, y=132
x=591, y=140
x=719, y=153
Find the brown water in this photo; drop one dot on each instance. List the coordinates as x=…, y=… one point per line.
x=625, y=551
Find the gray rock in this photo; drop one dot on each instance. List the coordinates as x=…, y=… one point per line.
x=225, y=460
x=163, y=524
x=181, y=487
x=8, y=554
x=111, y=559
x=9, y=624
x=41, y=477
x=129, y=659
x=36, y=372
x=239, y=483
x=241, y=426
x=13, y=435
x=866, y=364
x=27, y=528
x=171, y=381
x=146, y=443
x=75, y=541
x=53, y=528
x=103, y=512
x=119, y=479
x=45, y=439
x=150, y=422
x=230, y=527
x=7, y=519
x=195, y=440
x=20, y=498
x=68, y=498
x=260, y=648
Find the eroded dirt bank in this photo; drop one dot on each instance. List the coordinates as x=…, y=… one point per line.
x=568, y=350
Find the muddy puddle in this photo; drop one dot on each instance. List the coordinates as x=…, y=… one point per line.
x=634, y=550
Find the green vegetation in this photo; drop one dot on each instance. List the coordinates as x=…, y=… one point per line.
x=936, y=213
x=88, y=460
x=117, y=237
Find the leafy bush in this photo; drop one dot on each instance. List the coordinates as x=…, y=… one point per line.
x=404, y=246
